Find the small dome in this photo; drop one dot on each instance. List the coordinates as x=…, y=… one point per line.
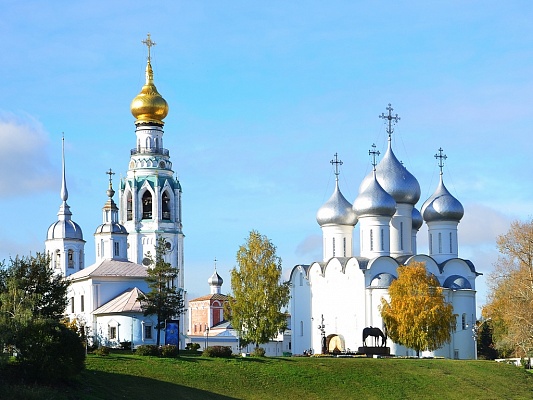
x=395, y=179
x=382, y=280
x=64, y=229
x=417, y=219
x=111, y=228
x=215, y=279
x=374, y=200
x=149, y=105
x=442, y=206
x=457, y=282
x=336, y=211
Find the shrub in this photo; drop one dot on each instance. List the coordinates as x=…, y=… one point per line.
x=258, y=352
x=125, y=345
x=102, y=351
x=169, y=351
x=147, y=350
x=192, y=346
x=49, y=352
x=217, y=351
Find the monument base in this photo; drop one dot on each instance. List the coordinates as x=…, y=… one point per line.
x=374, y=351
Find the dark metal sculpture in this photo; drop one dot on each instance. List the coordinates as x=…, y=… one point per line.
x=376, y=333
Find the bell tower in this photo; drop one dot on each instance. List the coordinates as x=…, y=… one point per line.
x=150, y=195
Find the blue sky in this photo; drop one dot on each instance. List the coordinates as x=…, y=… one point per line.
x=261, y=95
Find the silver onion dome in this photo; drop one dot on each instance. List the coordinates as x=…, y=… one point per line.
x=395, y=179
x=215, y=279
x=374, y=200
x=64, y=229
x=417, y=219
x=336, y=211
x=442, y=206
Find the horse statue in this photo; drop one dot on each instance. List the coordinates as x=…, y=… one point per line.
x=376, y=333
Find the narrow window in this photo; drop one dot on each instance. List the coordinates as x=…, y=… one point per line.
x=112, y=332
x=440, y=242
x=58, y=259
x=116, y=248
x=81, y=259
x=82, y=303
x=165, y=205
x=98, y=249
x=195, y=328
x=451, y=248
x=147, y=205
x=333, y=247
x=430, y=243
x=382, y=241
x=301, y=328
x=70, y=259
x=301, y=279
x=463, y=321
x=129, y=207
x=157, y=143
x=148, y=331
x=371, y=240
x=72, y=305
x=344, y=246
x=401, y=235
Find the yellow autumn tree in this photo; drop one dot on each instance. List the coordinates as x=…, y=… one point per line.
x=510, y=299
x=417, y=315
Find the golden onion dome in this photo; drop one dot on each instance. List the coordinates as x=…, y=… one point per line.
x=149, y=105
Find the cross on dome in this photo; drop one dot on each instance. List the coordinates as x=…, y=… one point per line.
x=337, y=164
x=440, y=158
x=149, y=43
x=390, y=119
x=374, y=153
x=110, y=191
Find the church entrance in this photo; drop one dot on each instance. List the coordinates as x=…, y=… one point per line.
x=335, y=344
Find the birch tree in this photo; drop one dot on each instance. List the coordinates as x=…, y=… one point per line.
x=417, y=315
x=510, y=299
x=258, y=292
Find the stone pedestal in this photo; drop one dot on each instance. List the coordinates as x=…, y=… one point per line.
x=374, y=351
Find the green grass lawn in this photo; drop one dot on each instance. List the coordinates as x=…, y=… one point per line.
x=131, y=377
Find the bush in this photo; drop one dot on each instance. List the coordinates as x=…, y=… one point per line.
x=217, y=351
x=125, y=345
x=147, y=350
x=49, y=352
x=192, y=346
x=102, y=351
x=169, y=351
x=258, y=352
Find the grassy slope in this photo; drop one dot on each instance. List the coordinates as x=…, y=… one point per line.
x=124, y=376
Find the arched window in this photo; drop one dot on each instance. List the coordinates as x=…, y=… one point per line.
x=463, y=321
x=129, y=207
x=70, y=259
x=58, y=259
x=165, y=205
x=147, y=205
x=116, y=249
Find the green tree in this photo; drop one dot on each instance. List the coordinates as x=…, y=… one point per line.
x=32, y=301
x=510, y=299
x=254, y=309
x=165, y=299
x=485, y=345
x=417, y=315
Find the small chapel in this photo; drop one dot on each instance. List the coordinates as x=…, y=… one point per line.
x=334, y=299
x=103, y=296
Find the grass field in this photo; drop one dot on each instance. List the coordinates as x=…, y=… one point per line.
x=131, y=377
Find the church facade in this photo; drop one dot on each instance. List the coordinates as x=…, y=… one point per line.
x=334, y=299
x=103, y=296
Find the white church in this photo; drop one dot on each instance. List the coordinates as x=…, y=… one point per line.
x=103, y=296
x=337, y=297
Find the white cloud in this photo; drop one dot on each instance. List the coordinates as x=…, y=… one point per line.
x=481, y=225
x=24, y=159
x=310, y=245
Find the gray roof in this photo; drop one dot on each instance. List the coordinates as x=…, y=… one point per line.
x=124, y=302
x=112, y=268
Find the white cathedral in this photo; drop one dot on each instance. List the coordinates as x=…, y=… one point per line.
x=103, y=296
x=334, y=299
